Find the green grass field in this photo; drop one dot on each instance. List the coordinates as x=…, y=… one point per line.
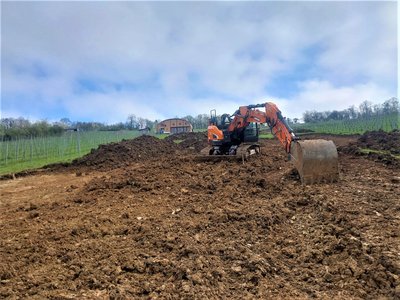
x=357, y=126
x=22, y=154
x=266, y=135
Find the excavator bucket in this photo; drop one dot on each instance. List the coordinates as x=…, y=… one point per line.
x=315, y=160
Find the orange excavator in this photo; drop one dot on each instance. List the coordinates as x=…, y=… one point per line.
x=237, y=136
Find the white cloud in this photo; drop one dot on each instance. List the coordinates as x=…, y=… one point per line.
x=364, y=46
x=114, y=107
x=341, y=54
x=322, y=95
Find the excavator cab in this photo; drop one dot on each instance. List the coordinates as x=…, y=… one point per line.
x=251, y=133
x=213, y=117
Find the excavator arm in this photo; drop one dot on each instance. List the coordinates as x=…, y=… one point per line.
x=272, y=117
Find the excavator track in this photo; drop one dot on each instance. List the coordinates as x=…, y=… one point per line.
x=243, y=152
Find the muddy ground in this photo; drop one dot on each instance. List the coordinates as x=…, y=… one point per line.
x=156, y=223
x=379, y=146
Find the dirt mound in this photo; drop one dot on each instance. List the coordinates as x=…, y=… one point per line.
x=380, y=140
x=115, y=155
x=376, y=145
x=145, y=147
x=189, y=140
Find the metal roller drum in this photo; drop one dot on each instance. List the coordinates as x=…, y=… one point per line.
x=315, y=160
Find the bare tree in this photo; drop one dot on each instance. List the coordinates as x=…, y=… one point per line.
x=366, y=108
x=132, y=122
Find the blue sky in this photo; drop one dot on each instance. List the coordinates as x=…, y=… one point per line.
x=101, y=61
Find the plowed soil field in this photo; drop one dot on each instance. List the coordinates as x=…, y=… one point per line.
x=144, y=219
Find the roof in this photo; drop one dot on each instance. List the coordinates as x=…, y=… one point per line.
x=174, y=119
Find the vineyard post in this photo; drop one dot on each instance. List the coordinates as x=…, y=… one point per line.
x=64, y=145
x=17, y=149
x=24, y=147
x=31, y=148
x=58, y=148
x=46, y=148
x=78, y=143
x=6, y=152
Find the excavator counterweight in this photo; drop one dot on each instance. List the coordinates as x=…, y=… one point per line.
x=236, y=137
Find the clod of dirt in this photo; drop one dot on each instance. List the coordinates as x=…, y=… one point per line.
x=33, y=214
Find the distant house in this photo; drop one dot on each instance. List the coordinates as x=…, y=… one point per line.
x=174, y=126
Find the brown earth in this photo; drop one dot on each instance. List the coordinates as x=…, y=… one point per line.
x=117, y=155
x=159, y=224
x=385, y=147
x=189, y=140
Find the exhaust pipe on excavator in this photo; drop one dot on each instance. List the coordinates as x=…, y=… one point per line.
x=315, y=160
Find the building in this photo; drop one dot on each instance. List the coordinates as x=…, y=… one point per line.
x=174, y=126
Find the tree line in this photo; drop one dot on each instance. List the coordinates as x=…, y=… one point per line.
x=11, y=128
x=20, y=127
x=365, y=110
